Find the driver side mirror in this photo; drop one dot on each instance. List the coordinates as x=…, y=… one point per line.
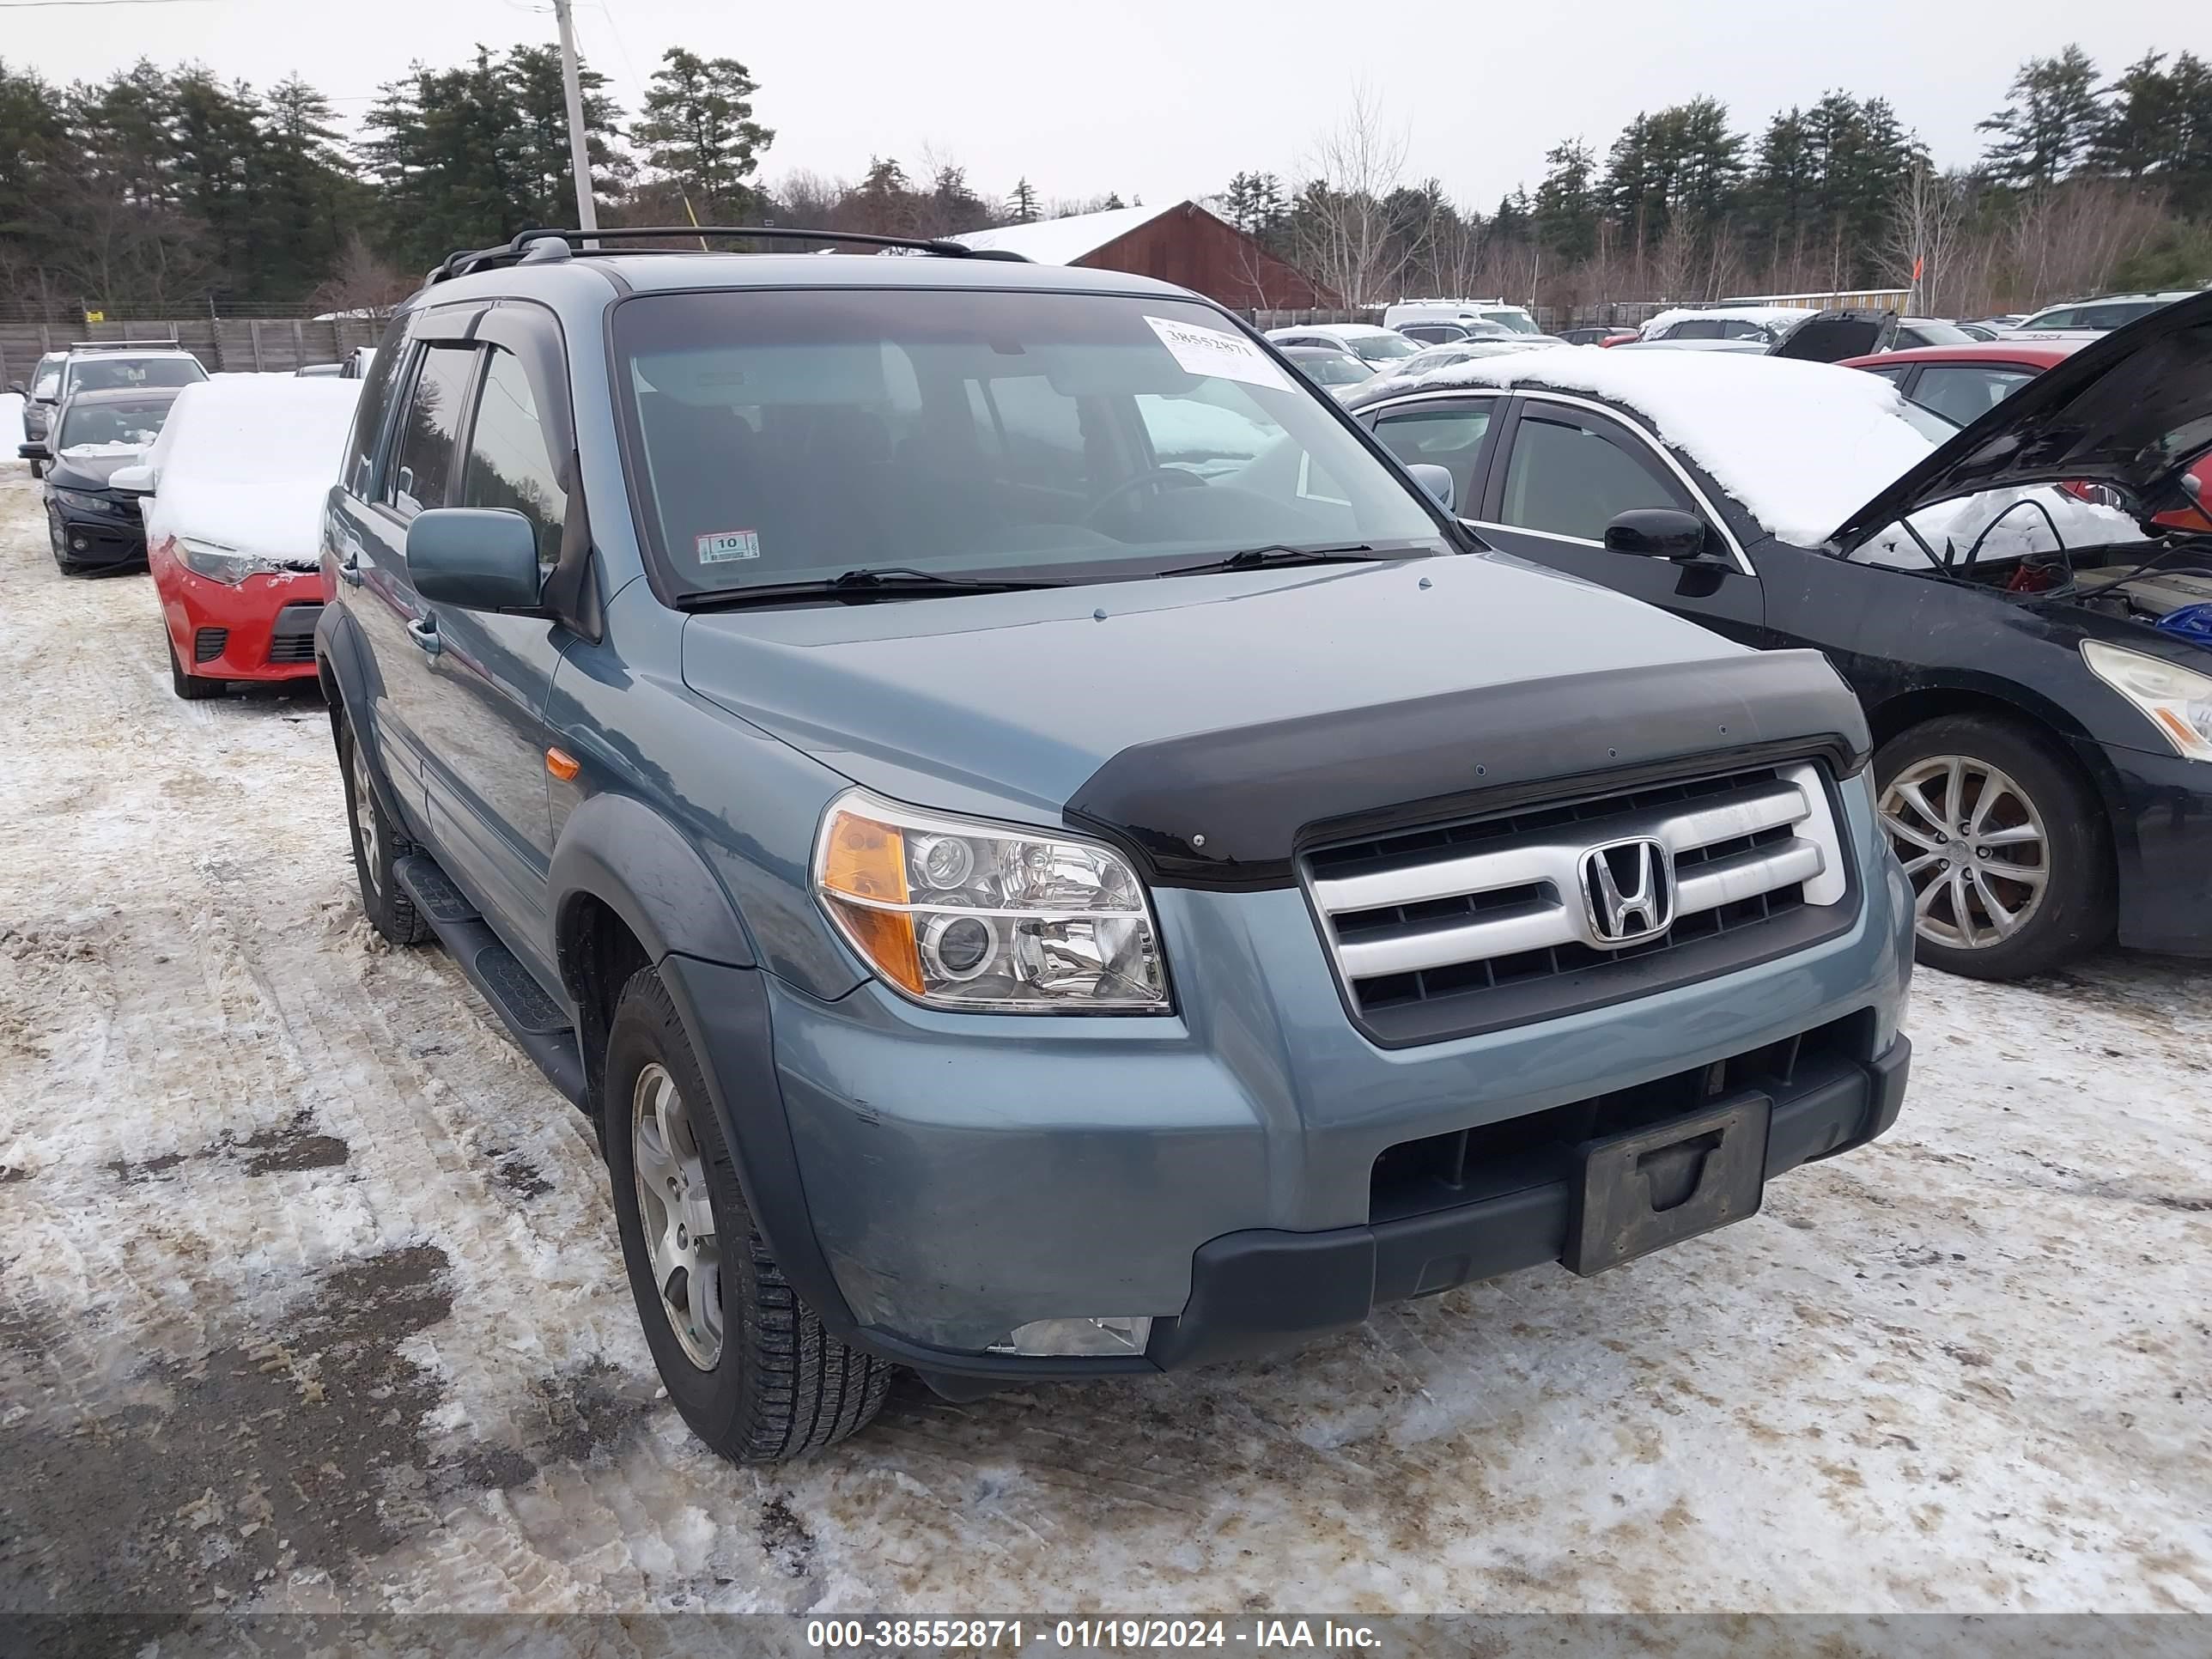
x=1436, y=480
x=134, y=480
x=1657, y=532
x=16, y=386
x=478, y=558
x=34, y=452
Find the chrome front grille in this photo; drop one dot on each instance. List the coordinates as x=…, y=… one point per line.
x=1468, y=913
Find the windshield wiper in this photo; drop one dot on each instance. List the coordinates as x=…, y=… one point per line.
x=1259, y=558
x=871, y=581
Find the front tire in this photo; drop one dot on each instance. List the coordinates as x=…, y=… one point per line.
x=192, y=687
x=747, y=1362
x=379, y=844
x=2004, y=844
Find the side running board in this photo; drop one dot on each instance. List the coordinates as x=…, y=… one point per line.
x=539, y=1025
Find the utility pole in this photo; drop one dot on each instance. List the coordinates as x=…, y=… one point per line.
x=580, y=153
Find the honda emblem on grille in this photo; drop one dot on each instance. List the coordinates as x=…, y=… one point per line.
x=1628, y=888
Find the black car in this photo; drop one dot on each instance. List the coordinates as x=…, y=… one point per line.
x=39, y=398
x=94, y=432
x=2037, y=673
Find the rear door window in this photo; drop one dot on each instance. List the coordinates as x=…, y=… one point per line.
x=1567, y=475
x=510, y=463
x=423, y=461
x=1966, y=392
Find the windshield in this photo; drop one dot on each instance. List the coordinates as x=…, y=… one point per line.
x=126, y=374
x=789, y=436
x=1519, y=321
x=1377, y=347
x=47, y=387
x=134, y=425
x=1938, y=334
x=1337, y=368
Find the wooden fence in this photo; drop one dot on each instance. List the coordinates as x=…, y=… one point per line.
x=260, y=345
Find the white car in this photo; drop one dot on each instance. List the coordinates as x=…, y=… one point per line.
x=1476, y=316
x=2086, y=319
x=1382, y=347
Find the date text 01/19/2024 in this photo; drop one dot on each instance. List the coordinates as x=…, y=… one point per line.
x=1253, y=1635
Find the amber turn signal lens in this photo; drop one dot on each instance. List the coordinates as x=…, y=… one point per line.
x=562, y=764
x=865, y=860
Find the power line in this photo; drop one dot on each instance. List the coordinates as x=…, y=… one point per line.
x=31, y=5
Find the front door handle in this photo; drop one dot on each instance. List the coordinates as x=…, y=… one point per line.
x=349, y=567
x=423, y=630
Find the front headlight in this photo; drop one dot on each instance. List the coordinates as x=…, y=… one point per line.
x=980, y=916
x=82, y=502
x=221, y=564
x=2176, y=700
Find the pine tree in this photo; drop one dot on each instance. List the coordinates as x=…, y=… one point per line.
x=543, y=168
x=2047, y=128
x=698, y=134
x=311, y=201
x=1022, y=205
x=1565, y=210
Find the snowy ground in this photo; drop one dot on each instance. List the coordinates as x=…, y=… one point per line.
x=310, y=1295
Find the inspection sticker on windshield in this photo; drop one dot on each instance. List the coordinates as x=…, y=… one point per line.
x=1211, y=351
x=720, y=546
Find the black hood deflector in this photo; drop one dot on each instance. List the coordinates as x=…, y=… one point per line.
x=2133, y=410
x=1233, y=808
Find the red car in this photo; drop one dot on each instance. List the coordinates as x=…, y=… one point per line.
x=233, y=528
x=1962, y=383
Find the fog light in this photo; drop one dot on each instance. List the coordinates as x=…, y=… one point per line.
x=79, y=543
x=1043, y=1338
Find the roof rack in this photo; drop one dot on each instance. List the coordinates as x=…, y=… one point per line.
x=124, y=345
x=534, y=245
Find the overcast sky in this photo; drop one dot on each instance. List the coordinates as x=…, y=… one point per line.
x=1167, y=99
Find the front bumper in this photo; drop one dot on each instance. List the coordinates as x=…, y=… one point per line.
x=108, y=540
x=1258, y=1291
x=2162, y=814
x=263, y=628
x=935, y=1181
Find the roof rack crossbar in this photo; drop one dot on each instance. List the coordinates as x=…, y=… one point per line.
x=462, y=262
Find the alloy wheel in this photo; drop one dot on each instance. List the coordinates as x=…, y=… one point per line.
x=677, y=1216
x=364, y=817
x=1973, y=846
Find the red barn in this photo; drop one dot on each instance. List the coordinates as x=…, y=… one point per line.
x=1181, y=243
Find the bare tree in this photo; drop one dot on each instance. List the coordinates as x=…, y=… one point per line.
x=1926, y=216
x=1345, y=234
x=362, y=282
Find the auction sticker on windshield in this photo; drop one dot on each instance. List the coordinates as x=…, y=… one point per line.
x=718, y=546
x=1211, y=351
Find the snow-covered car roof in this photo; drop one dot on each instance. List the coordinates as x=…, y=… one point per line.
x=1766, y=316
x=245, y=462
x=1801, y=445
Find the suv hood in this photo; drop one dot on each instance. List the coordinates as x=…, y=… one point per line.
x=1386, y=681
x=2133, y=410
x=1829, y=336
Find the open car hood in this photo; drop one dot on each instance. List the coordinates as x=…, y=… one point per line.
x=1829, y=336
x=2133, y=410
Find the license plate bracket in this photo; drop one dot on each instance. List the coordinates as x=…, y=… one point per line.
x=1653, y=1187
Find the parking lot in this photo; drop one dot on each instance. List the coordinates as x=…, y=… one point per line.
x=310, y=1294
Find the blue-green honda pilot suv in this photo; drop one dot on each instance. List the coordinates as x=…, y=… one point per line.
x=1043, y=851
